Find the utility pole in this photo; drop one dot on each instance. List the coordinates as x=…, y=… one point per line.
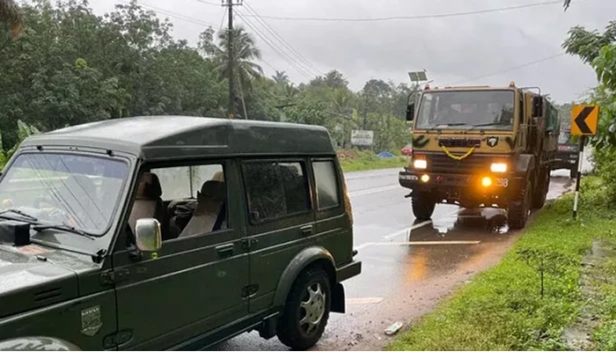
x=230, y=4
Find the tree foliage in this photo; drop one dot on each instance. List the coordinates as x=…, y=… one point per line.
x=599, y=50
x=70, y=66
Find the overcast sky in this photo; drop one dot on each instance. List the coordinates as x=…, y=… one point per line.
x=473, y=49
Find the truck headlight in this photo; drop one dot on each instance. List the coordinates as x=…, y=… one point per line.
x=420, y=163
x=498, y=167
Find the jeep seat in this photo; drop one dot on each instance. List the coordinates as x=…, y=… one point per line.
x=148, y=203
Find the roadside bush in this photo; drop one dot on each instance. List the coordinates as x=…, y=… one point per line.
x=605, y=162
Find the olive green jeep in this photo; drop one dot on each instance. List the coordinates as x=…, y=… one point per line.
x=171, y=232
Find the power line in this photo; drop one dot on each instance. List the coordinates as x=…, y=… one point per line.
x=456, y=14
x=207, y=3
x=284, y=42
x=158, y=10
x=511, y=68
x=222, y=22
x=276, y=48
x=282, y=54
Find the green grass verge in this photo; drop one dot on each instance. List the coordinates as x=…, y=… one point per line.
x=369, y=161
x=502, y=308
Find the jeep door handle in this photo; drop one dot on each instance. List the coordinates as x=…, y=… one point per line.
x=306, y=230
x=225, y=249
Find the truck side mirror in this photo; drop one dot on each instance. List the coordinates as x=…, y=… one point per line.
x=537, y=106
x=410, y=112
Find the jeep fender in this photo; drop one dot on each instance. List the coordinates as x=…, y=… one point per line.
x=301, y=261
x=37, y=343
x=526, y=164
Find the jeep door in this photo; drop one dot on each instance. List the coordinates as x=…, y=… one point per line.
x=194, y=284
x=333, y=225
x=280, y=221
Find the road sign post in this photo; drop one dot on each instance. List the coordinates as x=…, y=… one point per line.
x=584, y=120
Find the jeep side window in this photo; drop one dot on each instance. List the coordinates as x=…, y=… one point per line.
x=275, y=190
x=190, y=200
x=327, y=185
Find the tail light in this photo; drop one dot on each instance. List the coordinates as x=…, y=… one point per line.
x=347, y=201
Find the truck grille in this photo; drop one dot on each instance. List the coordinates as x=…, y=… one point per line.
x=472, y=164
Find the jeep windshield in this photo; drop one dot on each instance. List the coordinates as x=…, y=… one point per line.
x=68, y=192
x=484, y=109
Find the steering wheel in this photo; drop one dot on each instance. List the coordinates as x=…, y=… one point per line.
x=55, y=214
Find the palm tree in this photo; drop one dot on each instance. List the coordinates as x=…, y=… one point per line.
x=281, y=77
x=244, y=52
x=11, y=16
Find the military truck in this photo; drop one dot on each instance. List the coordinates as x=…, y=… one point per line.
x=172, y=232
x=481, y=146
x=568, y=153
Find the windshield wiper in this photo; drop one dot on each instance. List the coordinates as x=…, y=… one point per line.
x=437, y=127
x=63, y=227
x=19, y=212
x=488, y=124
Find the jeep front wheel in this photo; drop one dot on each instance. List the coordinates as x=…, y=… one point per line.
x=306, y=311
x=423, y=206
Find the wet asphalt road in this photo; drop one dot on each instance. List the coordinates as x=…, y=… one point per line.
x=407, y=267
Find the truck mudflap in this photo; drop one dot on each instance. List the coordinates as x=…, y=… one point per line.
x=456, y=187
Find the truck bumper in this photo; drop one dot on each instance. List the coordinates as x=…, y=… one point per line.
x=348, y=271
x=454, y=188
x=565, y=161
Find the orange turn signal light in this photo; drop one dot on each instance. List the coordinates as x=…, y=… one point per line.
x=486, y=182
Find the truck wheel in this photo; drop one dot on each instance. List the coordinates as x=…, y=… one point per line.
x=540, y=194
x=423, y=206
x=306, y=311
x=517, y=213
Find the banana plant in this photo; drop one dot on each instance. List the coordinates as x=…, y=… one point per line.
x=11, y=16
x=23, y=131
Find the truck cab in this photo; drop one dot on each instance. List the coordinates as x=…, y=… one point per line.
x=568, y=153
x=480, y=146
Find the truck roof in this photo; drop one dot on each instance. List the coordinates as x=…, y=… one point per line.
x=175, y=137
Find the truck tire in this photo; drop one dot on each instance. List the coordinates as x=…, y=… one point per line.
x=540, y=193
x=423, y=206
x=518, y=211
x=309, y=301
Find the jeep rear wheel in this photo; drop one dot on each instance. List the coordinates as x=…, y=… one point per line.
x=306, y=311
x=518, y=211
x=423, y=206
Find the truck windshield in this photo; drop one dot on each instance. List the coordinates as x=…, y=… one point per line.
x=460, y=109
x=62, y=189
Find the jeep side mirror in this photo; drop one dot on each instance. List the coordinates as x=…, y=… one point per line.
x=148, y=235
x=537, y=106
x=410, y=112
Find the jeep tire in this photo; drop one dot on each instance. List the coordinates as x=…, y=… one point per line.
x=518, y=211
x=423, y=205
x=309, y=301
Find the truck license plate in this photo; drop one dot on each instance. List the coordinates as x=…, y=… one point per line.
x=502, y=182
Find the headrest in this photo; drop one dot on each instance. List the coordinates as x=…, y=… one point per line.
x=218, y=176
x=213, y=190
x=149, y=187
